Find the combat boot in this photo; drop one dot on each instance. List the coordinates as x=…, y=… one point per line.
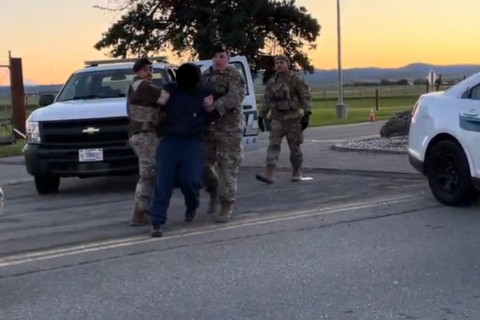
x=296, y=175
x=268, y=177
x=225, y=213
x=139, y=218
x=156, y=231
x=213, y=203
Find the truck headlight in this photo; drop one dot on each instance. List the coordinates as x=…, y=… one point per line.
x=33, y=132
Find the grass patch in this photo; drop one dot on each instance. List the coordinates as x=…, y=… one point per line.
x=12, y=150
x=323, y=112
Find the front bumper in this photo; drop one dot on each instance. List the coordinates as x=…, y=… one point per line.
x=417, y=164
x=63, y=162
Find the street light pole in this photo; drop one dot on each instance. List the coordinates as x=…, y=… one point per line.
x=341, y=108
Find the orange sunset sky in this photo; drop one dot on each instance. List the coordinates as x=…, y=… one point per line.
x=54, y=37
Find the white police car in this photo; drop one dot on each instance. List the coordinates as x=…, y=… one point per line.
x=444, y=141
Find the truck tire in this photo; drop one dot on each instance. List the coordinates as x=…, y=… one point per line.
x=47, y=185
x=448, y=174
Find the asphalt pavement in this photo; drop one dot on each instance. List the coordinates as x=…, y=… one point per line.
x=362, y=239
x=410, y=260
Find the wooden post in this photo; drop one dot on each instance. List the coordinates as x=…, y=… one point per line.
x=18, y=94
x=376, y=99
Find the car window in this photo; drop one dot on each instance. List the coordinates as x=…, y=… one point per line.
x=103, y=84
x=475, y=93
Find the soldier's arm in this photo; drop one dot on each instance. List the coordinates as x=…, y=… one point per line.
x=148, y=92
x=267, y=103
x=235, y=95
x=305, y=95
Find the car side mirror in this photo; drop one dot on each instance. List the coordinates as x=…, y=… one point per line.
x=46, y=99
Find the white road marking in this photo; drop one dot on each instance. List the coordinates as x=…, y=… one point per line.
x=131, y=241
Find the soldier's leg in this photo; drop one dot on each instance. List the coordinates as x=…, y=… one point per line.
x=273, y=152
x=229, y=159
x=144, y=146
x=165, y=177
x=210, y=178
x=294, y=135
x=190, y=176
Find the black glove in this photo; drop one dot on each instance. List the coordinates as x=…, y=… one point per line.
x=261, y=124
x=213, y=116
x=305, y=121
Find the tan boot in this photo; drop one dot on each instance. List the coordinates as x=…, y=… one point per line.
x=268, y=177
x=139, y=218
x=225, y=213
x=296, y=175
x=213, y=203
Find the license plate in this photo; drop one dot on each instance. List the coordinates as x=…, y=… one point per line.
x=90, y=155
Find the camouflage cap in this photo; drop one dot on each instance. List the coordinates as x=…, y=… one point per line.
x=282, y=57
x=219, y=47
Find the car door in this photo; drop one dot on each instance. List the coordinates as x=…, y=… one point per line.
x=469, y=122
x=250, y=112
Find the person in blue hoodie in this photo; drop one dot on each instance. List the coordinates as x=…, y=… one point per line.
x=179, y=156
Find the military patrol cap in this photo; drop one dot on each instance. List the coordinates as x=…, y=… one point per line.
x=140, y=63
x=282, y=57
x=219, y=47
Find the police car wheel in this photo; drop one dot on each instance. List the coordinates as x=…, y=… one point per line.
x=47, y=185
x=448, y=174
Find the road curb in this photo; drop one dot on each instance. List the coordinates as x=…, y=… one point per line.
x=14, y=160
x=353, y=172
x=15, y=182
x=338, y=147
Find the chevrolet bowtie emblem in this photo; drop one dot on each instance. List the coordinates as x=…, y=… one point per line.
x=90, y=130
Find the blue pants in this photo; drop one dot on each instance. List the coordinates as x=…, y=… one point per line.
x=179, y=163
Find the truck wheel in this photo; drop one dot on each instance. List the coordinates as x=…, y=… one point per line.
x=47, y=185
x=448, y=174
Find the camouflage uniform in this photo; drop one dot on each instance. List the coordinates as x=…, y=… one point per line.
x=223, y=140
x=143, y=100
x=288, y=101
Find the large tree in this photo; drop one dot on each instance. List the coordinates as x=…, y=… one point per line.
x=253, y=28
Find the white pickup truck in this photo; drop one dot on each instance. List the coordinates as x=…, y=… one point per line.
x=82, y=131
x=444, y=141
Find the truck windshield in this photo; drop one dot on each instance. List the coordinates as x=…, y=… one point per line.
x=103, y=84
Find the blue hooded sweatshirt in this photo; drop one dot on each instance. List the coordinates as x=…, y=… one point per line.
x=186, y=116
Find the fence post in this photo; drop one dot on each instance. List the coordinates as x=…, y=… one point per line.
x=376, y=99
x=17, y=94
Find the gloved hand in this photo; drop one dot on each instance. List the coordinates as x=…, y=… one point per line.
x=305, y=121
x=261, y=124
x=213, y=116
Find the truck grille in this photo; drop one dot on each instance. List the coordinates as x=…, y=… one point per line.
x=105, y=133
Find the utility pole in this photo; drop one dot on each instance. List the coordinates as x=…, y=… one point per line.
x=341, y=108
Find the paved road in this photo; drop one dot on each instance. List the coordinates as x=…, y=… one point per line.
x=363, y=239
x=408, y=260
x=97, y=209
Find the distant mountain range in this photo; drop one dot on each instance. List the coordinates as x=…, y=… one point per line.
x=329, y=77
x=409, y=72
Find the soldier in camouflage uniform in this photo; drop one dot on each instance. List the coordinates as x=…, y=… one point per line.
x=288, y=101
x=143, y=101
x=223, y=140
